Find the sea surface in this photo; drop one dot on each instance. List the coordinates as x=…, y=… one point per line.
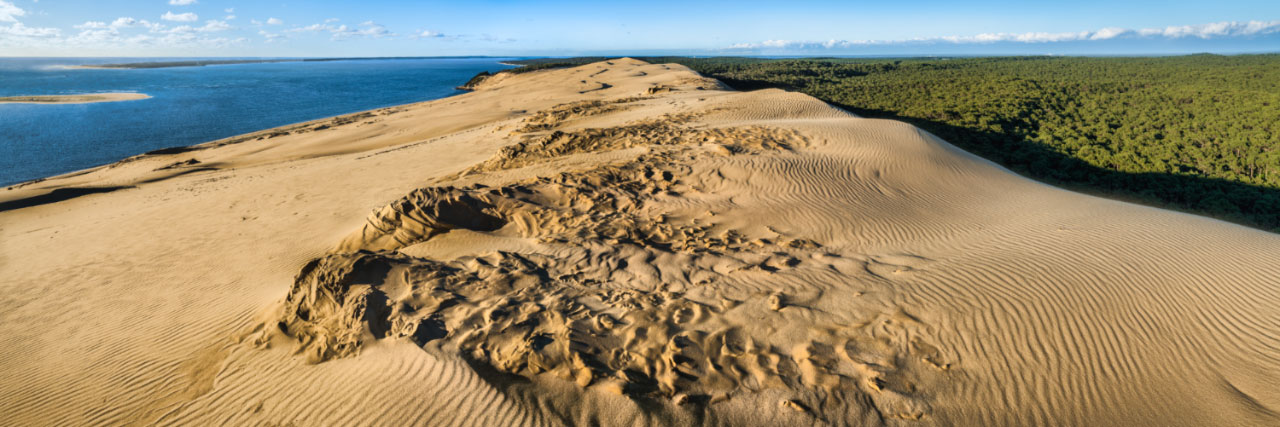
x=191, y=105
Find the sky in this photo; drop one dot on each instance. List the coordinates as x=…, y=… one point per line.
x=330, y=28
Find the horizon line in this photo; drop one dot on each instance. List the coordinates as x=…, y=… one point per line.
x=623, y=55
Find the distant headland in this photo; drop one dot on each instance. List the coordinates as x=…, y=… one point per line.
x=87, y=98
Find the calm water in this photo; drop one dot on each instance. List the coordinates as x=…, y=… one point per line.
x=194, y=105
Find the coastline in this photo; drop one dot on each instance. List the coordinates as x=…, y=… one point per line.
x=260, y=134
x=87, y=98
x=203, y=63
x=175, y=64
x=25, y=176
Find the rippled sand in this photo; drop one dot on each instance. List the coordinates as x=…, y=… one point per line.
x=624, y=244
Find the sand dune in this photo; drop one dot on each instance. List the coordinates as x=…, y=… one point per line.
x=620, y=244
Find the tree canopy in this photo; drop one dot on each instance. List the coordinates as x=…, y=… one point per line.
x=1195, y=133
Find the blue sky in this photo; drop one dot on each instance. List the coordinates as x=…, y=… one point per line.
x=493, y=27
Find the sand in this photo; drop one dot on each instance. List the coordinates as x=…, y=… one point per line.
x=619, y=244
x=73, y=99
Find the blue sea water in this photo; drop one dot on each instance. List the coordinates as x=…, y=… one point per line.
x=191, y=105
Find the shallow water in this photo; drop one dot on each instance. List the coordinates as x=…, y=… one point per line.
x=191, y=105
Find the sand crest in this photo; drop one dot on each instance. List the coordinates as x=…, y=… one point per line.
x=619, y=243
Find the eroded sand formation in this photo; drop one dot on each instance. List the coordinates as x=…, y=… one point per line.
x=624, y=244
x=629, y=291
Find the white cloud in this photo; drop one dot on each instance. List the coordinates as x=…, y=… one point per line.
x=9, y=12
x=210, y=26
x=214, y=25
x=342, y=32
x=92, y=25
x=123, y=35
x=375, y=30
x=229, y=10
x=808, y=45
x=1217, y=29
x=19, y=31
x=437, y=35
x=182, y=2
x=127, y=22
x=179, y=17
x=274, y=21
x=1110, y=33
x=1203, y=31
x=270, y=37
x=1019, y=37
x=314, y=27
x=105, y=38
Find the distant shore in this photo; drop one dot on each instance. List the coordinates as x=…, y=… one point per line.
x=202, y=63
x=87, y=98
x=171, y=64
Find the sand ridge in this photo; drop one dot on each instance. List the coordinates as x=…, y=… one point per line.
x=621, y=243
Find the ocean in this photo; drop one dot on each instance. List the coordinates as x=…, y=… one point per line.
x=191, y=105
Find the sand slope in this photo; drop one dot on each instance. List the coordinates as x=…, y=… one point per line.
x=624, y=244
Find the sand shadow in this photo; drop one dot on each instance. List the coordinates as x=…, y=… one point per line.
x=55, y=196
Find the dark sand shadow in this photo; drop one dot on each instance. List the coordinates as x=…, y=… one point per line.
x=55, y=196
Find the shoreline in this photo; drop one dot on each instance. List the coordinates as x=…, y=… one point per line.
x=175, y=64
x=129, y=96
x=232, y=139
x=86, y=98
x=204, y=63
